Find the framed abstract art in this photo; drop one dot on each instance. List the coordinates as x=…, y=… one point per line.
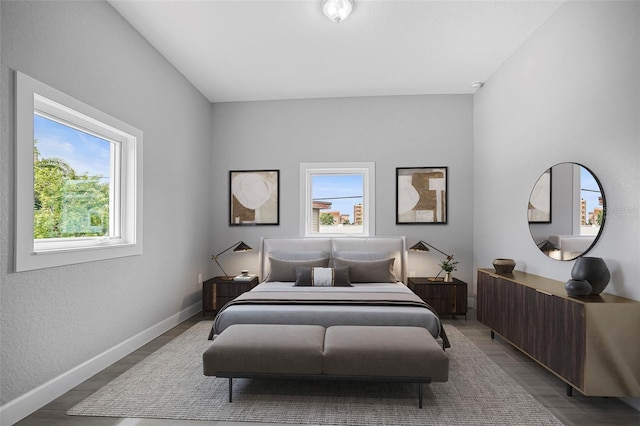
x=421, y=195
x=254, y=197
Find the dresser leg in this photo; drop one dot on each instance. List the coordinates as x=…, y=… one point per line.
x=493, y=335
x=569, y=390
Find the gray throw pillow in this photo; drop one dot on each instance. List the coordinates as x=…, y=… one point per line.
x=368, y=271
x=285, y=270
x=363, y=255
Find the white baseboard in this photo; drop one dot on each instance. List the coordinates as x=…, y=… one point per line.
x=19, y=408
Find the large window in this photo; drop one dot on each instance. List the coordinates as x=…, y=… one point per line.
x=337, y=199
x=78, y=181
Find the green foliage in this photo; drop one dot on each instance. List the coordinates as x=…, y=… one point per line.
x=449, y=265
x=326, y=219
x=67, y=204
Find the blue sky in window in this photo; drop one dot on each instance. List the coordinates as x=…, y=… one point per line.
x=332, y=187
x=85, y=153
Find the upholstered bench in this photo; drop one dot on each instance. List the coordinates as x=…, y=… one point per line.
x=400, y=354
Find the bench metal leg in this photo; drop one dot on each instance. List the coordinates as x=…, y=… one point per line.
x=230, y=389
x=419, y=395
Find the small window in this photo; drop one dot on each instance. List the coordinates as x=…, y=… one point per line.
x=78, y=181
x=337, y=198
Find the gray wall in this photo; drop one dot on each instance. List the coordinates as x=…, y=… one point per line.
x=53, y=320
x=570, y=93
x=405, y=131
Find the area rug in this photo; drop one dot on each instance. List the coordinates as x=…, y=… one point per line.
x=169, y=384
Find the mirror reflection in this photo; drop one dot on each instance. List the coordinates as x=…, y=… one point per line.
x=566, y=211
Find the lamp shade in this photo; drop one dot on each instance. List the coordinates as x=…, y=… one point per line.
x=419, y=246
x=424, y=246
x=242, y=247
x=337, y=10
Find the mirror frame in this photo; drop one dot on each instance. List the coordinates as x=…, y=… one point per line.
x=544, y=244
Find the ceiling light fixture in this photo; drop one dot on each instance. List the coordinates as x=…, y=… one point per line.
x=337, y=10
x=477, y=84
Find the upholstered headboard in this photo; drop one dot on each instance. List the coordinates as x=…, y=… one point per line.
x=396, y=246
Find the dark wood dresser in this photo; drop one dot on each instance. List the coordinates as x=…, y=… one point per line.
x=592, y=343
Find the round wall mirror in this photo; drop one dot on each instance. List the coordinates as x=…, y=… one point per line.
x=566, y=211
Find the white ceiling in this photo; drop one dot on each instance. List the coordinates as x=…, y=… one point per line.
x=247, y=50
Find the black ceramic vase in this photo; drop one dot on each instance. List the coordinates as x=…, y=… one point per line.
x=578, y=288
x=594, y=270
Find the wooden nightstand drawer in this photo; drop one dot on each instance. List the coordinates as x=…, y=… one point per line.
x=440, y=291
x=442, y=306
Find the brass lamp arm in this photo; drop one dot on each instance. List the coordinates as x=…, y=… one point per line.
x=436, y=249
x=215, y=259
x=215, y=256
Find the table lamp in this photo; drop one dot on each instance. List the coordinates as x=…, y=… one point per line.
x=423, y=246
x=239, y=247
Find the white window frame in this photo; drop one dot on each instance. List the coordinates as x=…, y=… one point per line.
x=126, y=186
x=368, y=172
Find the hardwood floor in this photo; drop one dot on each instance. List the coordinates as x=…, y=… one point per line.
x=544, y=386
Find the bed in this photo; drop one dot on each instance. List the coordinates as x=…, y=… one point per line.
x=367, y=276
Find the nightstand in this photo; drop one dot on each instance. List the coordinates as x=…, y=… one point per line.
x=445, y=298
x=217, y=291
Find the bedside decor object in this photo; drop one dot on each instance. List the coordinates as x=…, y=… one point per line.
x=578, y=287
x=448, y=265
x=504, y=266
x=254, y=197
x=239, y=248
x=245, y=276
x=421, y=195
x=594, y=270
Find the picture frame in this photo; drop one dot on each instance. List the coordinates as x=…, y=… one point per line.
x=539, y=208
x=421, y=195
x=254, y=197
